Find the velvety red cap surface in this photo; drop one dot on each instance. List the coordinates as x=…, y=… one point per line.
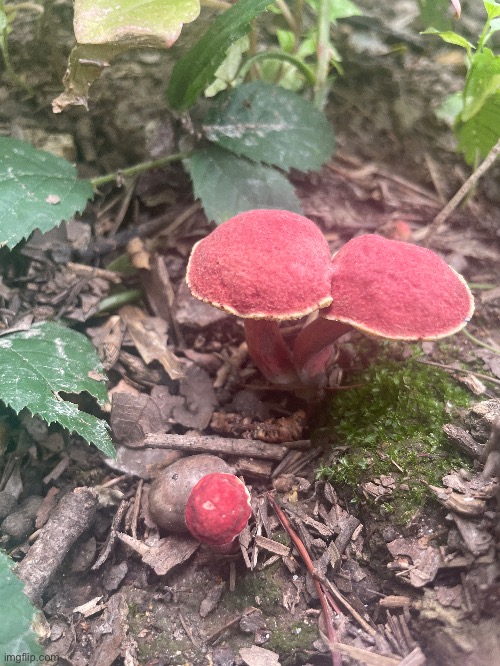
x=217, y=509
x=263, y=264
x=397, y=290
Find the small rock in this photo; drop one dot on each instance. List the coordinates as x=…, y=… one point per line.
x=7, y=504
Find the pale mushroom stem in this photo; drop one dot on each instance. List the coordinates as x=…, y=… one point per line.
x=315, y=347
x=269, y=351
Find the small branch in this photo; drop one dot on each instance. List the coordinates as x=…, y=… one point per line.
x=469, y=184
x=137, y=169
x=336, y=658
x=251, y=448
x=71, y=517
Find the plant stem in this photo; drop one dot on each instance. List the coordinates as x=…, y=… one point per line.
x=137, y=169
x=323, y=52
x=279, y=55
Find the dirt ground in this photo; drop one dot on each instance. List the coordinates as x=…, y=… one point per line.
x=420, y=590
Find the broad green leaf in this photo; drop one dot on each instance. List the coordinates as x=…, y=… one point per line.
x=483, y=80
x=492, y=9
x=269, y=124
x=37, y=190
x=451, y=38
x=17, y=613
x=37, y=365
x=228, y=185
x=148, y=23
x=479, y=134
x=195, y=71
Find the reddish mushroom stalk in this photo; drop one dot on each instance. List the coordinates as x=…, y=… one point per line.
x=265, y=266
x=388, y=289
x=269, y=351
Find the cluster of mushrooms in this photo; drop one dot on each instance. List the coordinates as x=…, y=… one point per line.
x=267, y=266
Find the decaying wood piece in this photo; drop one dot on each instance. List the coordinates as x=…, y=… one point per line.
x=222, y=445
x=72, y=516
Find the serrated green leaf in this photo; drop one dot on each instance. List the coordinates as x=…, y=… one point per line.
x=37, y=190
x=450, y=38
x=479, y=134
x=228, y=184
x=492, y=9
x=483, y=80
x=193, y=72
x=269, y=124
x=16, y=615
x=38, y=364
x=148, y=23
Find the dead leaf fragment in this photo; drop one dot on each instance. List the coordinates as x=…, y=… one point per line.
x=424, y=562
x=257, y=656
x=150, y=337
x=200, y=399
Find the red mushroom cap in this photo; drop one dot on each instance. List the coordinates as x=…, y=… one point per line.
x=397, y=290
x=263, y=264
x=218, y=509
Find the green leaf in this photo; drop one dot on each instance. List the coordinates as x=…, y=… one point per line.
x=148, y=23
x=37, y=190
x=479, y=134
x=450, y=38
x=483, y=80
x=269, y=124
x=435, y=13
x=450, y=108
x=16, y=615
x=339, y=9
x=38, y=364
x=492, y=9
x=226, y=74
x=193, y=72
x=228, y=185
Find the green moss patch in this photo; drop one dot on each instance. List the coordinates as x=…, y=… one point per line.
x=391, y=425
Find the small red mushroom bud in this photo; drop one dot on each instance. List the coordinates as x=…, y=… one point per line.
x=265, y=266
x=389, y=289
x=170, y=490
x=217, y=510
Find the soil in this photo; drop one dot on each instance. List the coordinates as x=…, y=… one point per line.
x=425, y=591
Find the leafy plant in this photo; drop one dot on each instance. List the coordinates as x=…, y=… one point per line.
x=40, y=364
x=16, y=615
x=475, y=111
x=38, y=191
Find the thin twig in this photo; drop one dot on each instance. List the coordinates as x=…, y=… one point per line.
x=464, y=371
x=336, y=658
x=469, y=184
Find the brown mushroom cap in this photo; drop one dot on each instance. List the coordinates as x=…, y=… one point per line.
x=397, y=290
x=263, y=264
x=170, y=490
